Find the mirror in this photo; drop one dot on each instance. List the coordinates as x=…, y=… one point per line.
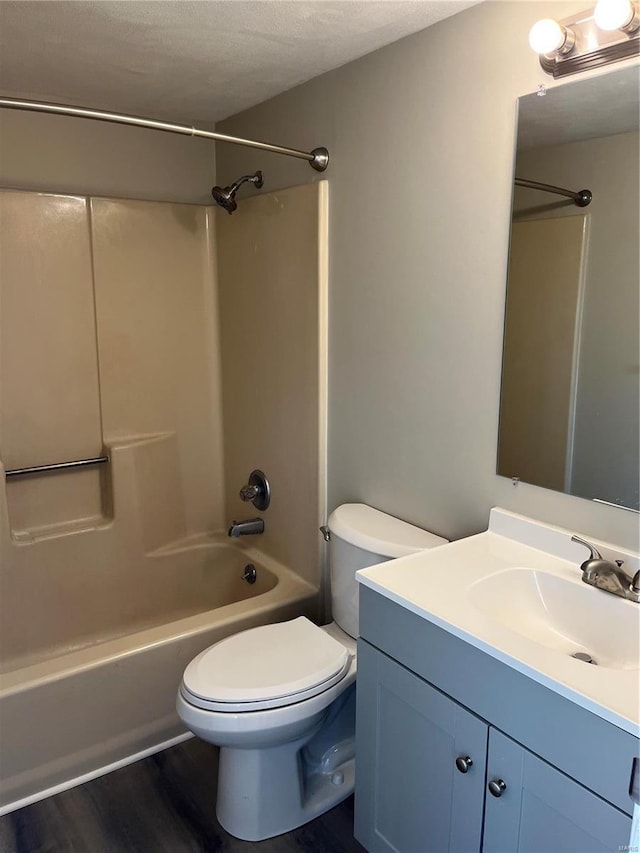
x=569, y=410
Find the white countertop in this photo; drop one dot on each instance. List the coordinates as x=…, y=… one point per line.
x=443, y=585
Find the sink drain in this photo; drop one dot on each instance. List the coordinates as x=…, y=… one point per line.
x=584, y=656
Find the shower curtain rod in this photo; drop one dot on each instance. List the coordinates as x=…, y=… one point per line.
x=582, y=198
x=318, y=158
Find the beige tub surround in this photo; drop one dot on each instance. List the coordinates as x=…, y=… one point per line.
x=158, y=339
x=273, y=281
x=113, y=578
x=50, y=408
x=102, y=578
x=108, y=331
x=50, y=401
x=108, y=346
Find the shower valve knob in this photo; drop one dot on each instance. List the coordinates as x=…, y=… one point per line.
x=257, y=491
x=249, y=493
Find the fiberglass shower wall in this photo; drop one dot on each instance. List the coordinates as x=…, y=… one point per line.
x=108, y=343
x=273, y=280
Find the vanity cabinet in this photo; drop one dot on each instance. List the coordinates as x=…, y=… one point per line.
x=441, y=727
x=410, y=794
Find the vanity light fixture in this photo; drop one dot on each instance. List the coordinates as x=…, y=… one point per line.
x=608, y=33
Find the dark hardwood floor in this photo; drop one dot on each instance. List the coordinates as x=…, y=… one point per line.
x=162, y=804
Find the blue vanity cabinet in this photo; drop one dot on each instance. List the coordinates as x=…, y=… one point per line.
x=545, y=776
x=411, y=796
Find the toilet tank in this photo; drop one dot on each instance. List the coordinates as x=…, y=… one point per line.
x=362, y=536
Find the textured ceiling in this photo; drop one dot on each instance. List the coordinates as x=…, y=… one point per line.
x=191, y=61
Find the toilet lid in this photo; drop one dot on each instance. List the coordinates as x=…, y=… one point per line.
x=266, y=667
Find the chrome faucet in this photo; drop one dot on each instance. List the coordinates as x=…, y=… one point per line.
x=611, y=577
x=247, y=527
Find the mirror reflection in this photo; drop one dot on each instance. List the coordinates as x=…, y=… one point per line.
x=569, y=413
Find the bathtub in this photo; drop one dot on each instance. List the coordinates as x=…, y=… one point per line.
x=86, y=704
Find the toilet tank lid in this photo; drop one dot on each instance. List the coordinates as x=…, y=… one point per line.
x=379, y=533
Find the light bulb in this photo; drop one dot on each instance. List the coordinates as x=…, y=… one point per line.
x=613, y=14
x=547, y=36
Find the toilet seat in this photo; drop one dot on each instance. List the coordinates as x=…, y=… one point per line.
x=266, y=667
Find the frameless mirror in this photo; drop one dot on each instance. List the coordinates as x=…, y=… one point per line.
x=569, y=411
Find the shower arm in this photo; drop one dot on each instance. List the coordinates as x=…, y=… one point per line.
x=254, y=179
x=318, y=158
x=582, y=198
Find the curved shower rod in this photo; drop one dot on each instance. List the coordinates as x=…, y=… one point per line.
x=582, y=198
x=318, y=158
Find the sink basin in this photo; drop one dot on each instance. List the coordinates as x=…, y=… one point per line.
x=562, y=615
x=515, y=593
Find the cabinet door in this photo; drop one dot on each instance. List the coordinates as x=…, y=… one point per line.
x=410, y=796
x=541, y=810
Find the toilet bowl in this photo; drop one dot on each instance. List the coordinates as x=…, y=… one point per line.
x=279, y=700
x=262, y=730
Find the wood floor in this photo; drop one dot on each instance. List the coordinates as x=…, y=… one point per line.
x=163, y=804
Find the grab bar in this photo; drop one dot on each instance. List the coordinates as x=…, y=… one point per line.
x=57, y=466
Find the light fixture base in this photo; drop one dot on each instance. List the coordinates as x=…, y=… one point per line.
x=593, y=47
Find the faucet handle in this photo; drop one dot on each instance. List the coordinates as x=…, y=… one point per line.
x=635, y=583
x=595, y=554
x=249, y=492
x=257, y=490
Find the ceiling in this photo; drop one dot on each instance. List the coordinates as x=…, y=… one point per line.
x=188, y=61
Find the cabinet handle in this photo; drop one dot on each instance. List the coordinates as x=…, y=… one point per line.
x=496, y=787
x=464, y=763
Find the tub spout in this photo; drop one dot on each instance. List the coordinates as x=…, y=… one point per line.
x=247, y=527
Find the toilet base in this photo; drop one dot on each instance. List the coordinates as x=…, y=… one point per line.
x=280, y=768
x=266, y=792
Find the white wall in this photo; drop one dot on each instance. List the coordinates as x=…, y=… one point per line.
x=421, y=136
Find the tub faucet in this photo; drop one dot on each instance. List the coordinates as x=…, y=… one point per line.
x=247, y=527
x=611, y=577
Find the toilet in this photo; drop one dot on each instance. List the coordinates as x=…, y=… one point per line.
x=279, y=700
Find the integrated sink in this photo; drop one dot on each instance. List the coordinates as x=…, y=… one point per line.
x=565, y=616
x=516, y=593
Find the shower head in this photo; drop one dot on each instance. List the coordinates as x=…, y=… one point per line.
x=226, y=196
